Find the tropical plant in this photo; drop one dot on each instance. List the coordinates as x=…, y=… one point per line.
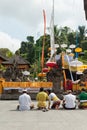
x=27, y=49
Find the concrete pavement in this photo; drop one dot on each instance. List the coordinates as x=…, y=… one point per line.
x=10, y=119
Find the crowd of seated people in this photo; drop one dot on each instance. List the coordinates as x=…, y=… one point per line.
x=47, y=100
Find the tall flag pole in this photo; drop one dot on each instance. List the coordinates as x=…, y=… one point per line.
x=52, y=31
x=42, y=59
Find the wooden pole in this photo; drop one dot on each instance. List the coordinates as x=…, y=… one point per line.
x=64, y=74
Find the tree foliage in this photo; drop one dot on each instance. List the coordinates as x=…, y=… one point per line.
x=27, y=49
x=6, y=52
x=32, y=51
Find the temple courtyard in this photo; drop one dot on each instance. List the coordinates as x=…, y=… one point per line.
x=11, y=119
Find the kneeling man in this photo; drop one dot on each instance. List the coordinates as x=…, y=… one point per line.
x=82, y=99
x=25, y=102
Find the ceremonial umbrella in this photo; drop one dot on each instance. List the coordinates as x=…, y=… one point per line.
x=68, y=50
x=78, y=49
x=79, y=72
x=63, y=45
x=76, y=63
x=45, y=69
x=72, y=46
x=51, y=64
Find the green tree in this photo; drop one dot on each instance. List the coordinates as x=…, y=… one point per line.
x=38, y=47
x=6, y=52
x=81, y=35
x=27, y=49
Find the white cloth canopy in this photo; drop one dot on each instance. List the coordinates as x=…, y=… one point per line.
x=79, y=72
x=76, y=63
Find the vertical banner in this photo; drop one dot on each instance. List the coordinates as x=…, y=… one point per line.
x=42, y=59
x=52, y=31
x=44, y=15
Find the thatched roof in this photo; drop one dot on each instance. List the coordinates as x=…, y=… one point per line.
x=16, y=59
x=3, y=57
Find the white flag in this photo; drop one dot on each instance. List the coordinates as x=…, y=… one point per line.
x=52, y=32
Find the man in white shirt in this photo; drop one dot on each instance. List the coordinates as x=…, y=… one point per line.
x=69, y=101
x=55, y=100
x=25, y=102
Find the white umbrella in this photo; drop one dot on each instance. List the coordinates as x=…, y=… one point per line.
x=79, y=72
x=72, y=46
x=26, y=72
x=76, y=63
x=56, y=45
x=63, y=45
x=68, y=50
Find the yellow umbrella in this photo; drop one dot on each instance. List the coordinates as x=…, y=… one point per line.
x=78, y=49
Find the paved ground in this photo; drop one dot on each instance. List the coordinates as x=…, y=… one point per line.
x=10, y=119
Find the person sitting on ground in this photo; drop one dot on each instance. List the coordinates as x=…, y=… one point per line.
x=25, y=102
x=55, y=100
x=69, y=101
x=82, y=99
x=42, y=97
